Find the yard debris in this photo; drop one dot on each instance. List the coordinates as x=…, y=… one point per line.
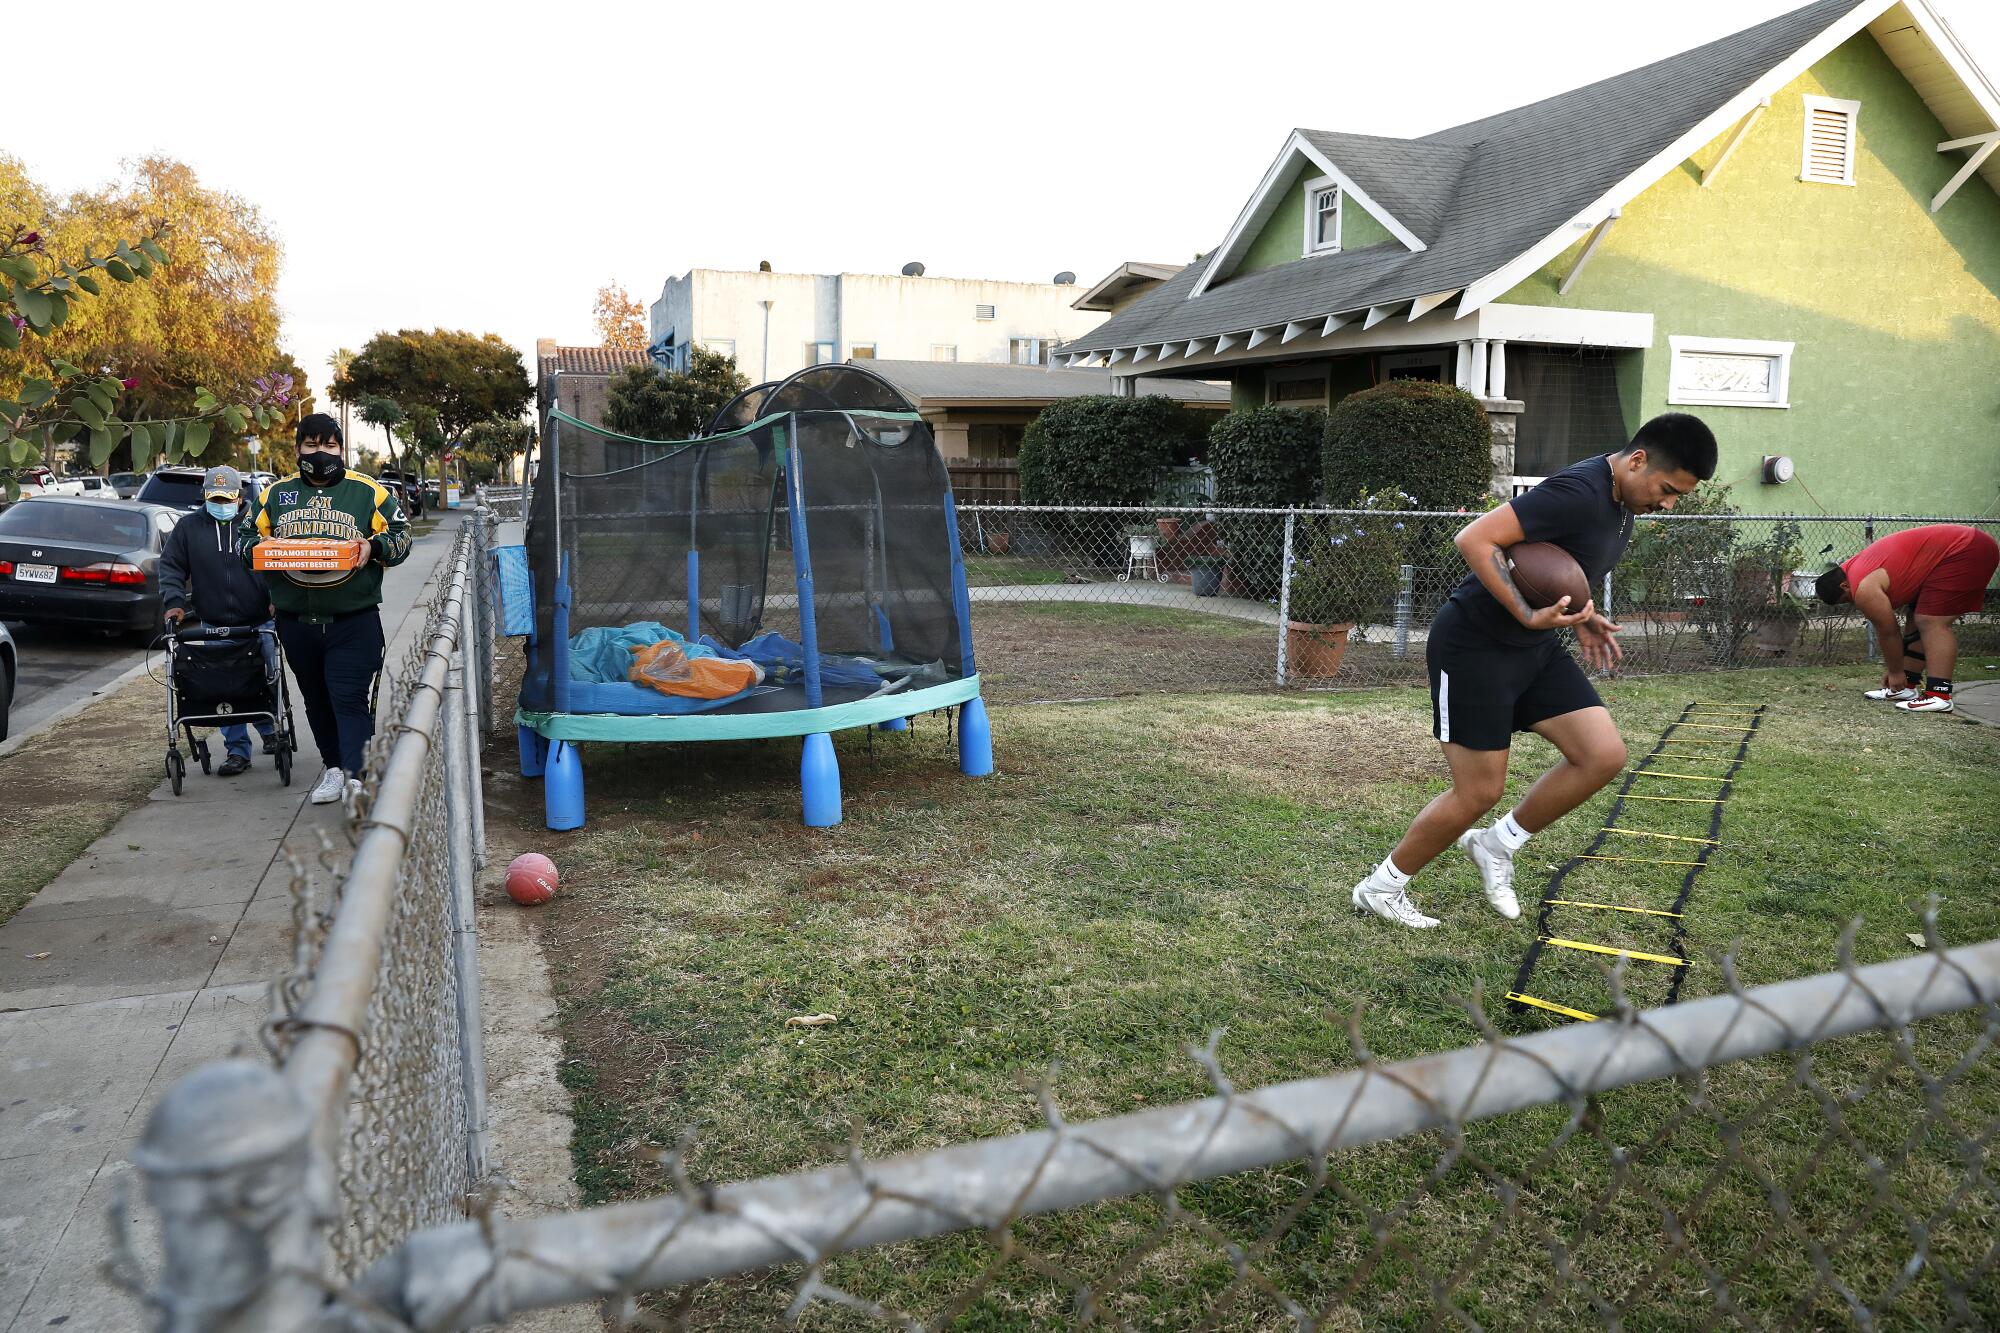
x=33, y=956
x=1914, y=938
x=810, y=1020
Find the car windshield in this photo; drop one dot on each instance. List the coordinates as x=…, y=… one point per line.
x=172, y=488
x=92, y=525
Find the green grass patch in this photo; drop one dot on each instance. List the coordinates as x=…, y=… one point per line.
x=1141, y=871
x=65, y=787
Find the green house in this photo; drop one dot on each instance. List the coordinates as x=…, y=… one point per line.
x=1793, y=232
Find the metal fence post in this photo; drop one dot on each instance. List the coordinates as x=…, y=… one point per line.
x=471, y=654
x=461, y=786
x=1285, y=592
x=243, y=1200
x=1867, y=625
x=1405, y=589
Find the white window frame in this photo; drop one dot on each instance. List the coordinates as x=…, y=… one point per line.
x=726, y=346
x=1304, y=374
x=984, y=313
x=1852, y=110
x=814, y=356
x=1313, y=187
x=950, y=351
x=1781, y=372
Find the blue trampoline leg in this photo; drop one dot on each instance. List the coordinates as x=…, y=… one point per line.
x=533, y=751
x=562, y=788
x=975, y=739
x=819, y=781
x=894, y=724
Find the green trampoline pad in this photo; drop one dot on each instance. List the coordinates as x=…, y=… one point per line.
x=748, y=726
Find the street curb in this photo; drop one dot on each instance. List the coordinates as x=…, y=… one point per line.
x=70, y=710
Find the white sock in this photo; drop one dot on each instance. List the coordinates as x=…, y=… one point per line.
x=1391, y=876
x=1512, y=836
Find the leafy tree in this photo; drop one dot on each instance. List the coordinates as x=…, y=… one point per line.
x=211, y=319
x=462, y=377
x=420, y=437
x=490, y=448
x=670, y=405
x=620, y=320
x=47, y=400
x=387, y=414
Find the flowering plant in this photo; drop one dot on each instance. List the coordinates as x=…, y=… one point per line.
x=1349, y=566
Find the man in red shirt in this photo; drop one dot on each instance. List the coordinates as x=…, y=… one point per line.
x=1941, y=573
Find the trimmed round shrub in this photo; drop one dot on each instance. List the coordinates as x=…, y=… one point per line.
x=1429, y=440
x=1264, y=458
x=1104, y=450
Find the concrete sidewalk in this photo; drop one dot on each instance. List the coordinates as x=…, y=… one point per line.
x=161, y=941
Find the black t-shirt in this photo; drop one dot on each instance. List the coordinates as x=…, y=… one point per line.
x=1573, y=509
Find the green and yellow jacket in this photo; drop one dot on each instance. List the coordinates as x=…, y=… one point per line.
x=356, y=506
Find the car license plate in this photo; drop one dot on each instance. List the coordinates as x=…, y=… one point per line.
x=35, y=573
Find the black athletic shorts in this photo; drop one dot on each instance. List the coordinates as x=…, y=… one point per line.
x=1483, y=692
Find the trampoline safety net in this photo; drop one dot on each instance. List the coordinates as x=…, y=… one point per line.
x=700, y=536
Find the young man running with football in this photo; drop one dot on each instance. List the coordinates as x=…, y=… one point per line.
x=1497, y=665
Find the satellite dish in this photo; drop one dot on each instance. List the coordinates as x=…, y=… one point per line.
x=913, y=269
x=1065, y=279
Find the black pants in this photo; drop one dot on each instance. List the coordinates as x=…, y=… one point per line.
x=333, y=662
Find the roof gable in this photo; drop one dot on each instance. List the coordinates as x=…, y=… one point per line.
x=1298, y=154
x=1528, y=183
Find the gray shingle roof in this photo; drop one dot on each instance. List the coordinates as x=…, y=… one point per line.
x=950, y=381
x=1523, y=174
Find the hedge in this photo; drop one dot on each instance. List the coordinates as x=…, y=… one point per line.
x=1103, y=450
x=1264, y=458
x=1429, y=440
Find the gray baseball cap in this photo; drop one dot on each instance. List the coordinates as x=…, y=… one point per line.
x=223, y=480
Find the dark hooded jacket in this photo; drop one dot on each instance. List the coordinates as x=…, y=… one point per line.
x=202, y=572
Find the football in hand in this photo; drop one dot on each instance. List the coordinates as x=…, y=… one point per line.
x=1545, y=574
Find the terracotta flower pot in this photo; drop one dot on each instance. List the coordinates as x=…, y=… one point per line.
x=1170, y=528
x=996, y=543
x=1314, y=652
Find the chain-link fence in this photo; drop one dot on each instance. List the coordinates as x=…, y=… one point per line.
x=503, y=502
x=272, y=1180
x=1073, y=603
x=1806, y=1154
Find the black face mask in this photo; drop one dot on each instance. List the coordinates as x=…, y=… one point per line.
x=321, y=468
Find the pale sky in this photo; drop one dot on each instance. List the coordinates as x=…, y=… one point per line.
x=488, y=167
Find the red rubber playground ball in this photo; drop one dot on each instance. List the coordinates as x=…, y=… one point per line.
x=531, y=879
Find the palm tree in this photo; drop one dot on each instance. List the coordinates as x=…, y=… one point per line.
x=337, y=387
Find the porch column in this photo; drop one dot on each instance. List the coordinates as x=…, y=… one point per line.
x=1496, y=369
x=1462, y=367
x=1121, y=387
x=1477, y=378
x=954, y=440
x=1503, y=415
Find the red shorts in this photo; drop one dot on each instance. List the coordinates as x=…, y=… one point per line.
x=1957, y=587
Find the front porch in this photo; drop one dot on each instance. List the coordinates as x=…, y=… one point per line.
x=1558, y=385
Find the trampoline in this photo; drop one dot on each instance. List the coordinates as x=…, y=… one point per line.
x=794, y=571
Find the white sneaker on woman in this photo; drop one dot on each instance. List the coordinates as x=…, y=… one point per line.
x=329, y=788
x=1891, y=696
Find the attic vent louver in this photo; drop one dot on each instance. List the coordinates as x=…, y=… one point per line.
x=1829, y=140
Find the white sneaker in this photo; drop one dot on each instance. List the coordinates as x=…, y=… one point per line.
x=1892, y=696
x=1496, y=869
x=349, y=792
x=329, y=787
x=1390, y=903
x=1927, y=703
